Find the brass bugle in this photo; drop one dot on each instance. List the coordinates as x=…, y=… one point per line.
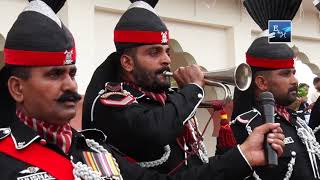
x=239, y=76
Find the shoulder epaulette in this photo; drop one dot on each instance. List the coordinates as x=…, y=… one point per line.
x=114, y=95
x=113, y=87
x=246, y=117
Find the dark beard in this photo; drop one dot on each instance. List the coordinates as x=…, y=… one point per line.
x=289, y=99
x=149, y=81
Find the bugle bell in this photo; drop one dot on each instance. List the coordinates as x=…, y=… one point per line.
x=239, y=76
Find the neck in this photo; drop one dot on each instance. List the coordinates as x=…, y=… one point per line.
x=20, y=108
x=126, y=77
x=60, y=135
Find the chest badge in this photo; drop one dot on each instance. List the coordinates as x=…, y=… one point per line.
x=33, y=173
x=288, y=140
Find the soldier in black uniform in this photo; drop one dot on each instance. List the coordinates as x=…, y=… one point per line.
x=130, y=99
x=38, y=95
x=314, y=122
x=273, y=71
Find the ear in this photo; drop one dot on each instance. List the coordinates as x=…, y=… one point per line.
x=15, y=88
x=261, y=83
x=127, y=63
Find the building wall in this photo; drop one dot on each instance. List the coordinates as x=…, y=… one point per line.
x=217, y=35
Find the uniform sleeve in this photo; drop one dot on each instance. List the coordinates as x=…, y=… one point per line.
x=228, y=166
x=138, y=124
x=314, y=121
x=239, y=131
x=315, y=115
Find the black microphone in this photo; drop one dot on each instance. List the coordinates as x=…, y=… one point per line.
x=267, y=106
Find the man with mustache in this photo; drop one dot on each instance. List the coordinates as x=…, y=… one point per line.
x=136, y=108
x=38, y=95
x=273, y=71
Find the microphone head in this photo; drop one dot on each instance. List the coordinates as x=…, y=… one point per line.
x=266, y=98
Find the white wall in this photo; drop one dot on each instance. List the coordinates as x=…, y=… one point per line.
x=104, y=23
x=9, y=11
x=216, y=36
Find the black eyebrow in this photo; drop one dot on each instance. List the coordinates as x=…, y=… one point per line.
x=74, y=68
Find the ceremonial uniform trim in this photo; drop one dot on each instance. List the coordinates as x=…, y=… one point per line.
x=244, y=157
x=126, y=100
x=36, y=58
x=95, y=134
x=158, y=162
x=248, y=127
x=20, y=140
x=118, y=87
x=4, y=132
x=269, y=63
x=316, y=129
x=247, y=117
x=196, y=106
x=146, y=37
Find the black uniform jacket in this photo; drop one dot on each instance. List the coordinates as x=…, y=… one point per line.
x=314, y=122
x=142, y=128
x=302, y=169
x=230, y=166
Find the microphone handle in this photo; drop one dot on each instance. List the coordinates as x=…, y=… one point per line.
x=272, y=157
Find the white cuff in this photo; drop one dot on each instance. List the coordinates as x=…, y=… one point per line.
x=315, y=2
x=238, y=146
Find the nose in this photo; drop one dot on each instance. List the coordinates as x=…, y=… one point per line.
x=165, y=60
x=294, y=80
x=69, y=84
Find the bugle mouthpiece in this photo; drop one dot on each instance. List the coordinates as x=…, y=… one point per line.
x=167, y=73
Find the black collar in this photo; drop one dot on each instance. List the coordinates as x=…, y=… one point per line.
x=133, y=91
x=22, y=135
x=138, y=94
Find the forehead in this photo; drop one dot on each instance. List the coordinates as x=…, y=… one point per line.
x=277, y=71
x=50, y=68
x=160, y=46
